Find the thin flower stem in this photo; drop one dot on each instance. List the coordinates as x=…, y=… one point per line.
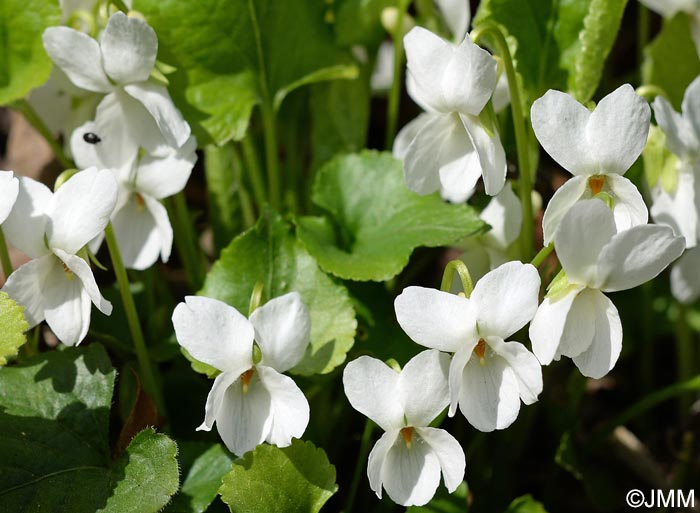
x=359, y=465
x=186, y=241
x=5, y=256
x=521, y=139
x=119, y=4
x=543, y=253
x=461, y=268
x=395, y=91
x=23, y=107
x=250, y=155
x=650, y=91
x=147, y=376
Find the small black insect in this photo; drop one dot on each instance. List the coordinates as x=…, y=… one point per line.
x=91, y=138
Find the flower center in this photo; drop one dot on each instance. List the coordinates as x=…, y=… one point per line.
x=480, y=351
x=596, y=183
x=407, y=434
x=246, y=377
x=140, y=203
x=66, y=269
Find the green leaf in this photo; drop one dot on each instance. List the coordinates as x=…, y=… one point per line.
x=232, y=54
x=54, y=413
x=557, y=44
x=12, y=327
x=205, y=465
x=525, y=504
x=296, y=479
x=358, y=22
x=444, y=502
x=671, y=61
x=270, y=254
x=25, y=64
x=379, y=221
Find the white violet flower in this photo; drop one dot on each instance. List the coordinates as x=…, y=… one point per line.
x=488, y=376
x=576, y=319
x=407, y=460
x=52, y=229
x=9, y=189
x=597, y=148
x=251, y=401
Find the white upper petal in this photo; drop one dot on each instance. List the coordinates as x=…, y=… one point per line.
x=685, y=278
x=457, y=15
x=435, y=319
x=525, y=367
x=422, y=387
x=637, y=255
x=9, y=189
x=629, y=209
x=26, y=224
x=490, y=152
x=163, y=176
x=505, y=216
x=564, y=198
x=25, y=286
x=605, y=349
x=680, y=136
x=157, y=101
x=81, y=209
x=79, y=56
x=371, y=387
x=290, y=409
x=506, y=299
x=66, y=305
x=679, y=209
x=283, y=330
x=81, y=269
x=547, y=327
x=583, y=233
x=214, y=333
x=449, y=78
x=129, y=48
x=449, y=453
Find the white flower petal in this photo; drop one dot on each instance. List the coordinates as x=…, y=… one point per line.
x=680, y=136
x=245, y=418
x=214, y=333
x=85, y=154
x=26, y=224
x=163, y=176
x=371, y=387
x=579, y=329
x=685, y=278
x=455, y=377
x=422, y=387
x=290, y=409
x=560, y=123
x=25, y=286
x=605, y=349
x=506, y=299
x=590, y=221
x=137, y=234
x=564, y=198
x=82, y=270
x=449, y=453
x=79, y=56
x=283, y=330
x=376, y=460
x=129, y=48
x=66, y=305
x=165, y=229
x=411, y=475
x=678, y=209
x=216, y=395
x=547, y=327
x=617, y=130
x=490, y=396
x=435, y=319
x=457, y=15
x=667, y=8
x=492, y=156
x=409, y=132
x=691, y=105
x=505, y=216
x=525, y=367
x=9, y=189
x=629, y=209
x=637, y=255
x=81, y=209
x=157, y=101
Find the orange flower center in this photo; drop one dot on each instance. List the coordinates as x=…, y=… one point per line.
x=246, y=377
x=407, y=434
x=480, y=350
x=596, y=183
x=140, y=203
x=66, y=269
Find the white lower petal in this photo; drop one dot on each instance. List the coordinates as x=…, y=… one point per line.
x=290, y=409
x=525, y=367
x=579, y=329
x=449, y=453
x=82, y=270
x=490, y=395
x=629, y=209
x=140, y=241
x=165, y=229
x=25, y=287
x=66, y=305
x=563, y=199
x=409, y=132
x=547, y=327
x=605, y=349
x=456, y=374
x=376, y=460
x=490, y=152
x=685, y=278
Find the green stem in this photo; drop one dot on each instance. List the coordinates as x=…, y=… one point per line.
x=5, y=256
x=24, y=108
x=521, y=140
x=119, y=4
x=392, y=115
x=461, y=268
x=147, y=376
x=359, y=465
x=246, y=207
x=186, y=241
x=650, y=91
x=684, y=356
x=250, y=155
x=543, y=253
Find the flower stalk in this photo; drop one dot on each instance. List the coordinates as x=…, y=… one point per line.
x=395, y=91
x=461, y=268
x=186, y=241
x=5, y=256
x=23, y=107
